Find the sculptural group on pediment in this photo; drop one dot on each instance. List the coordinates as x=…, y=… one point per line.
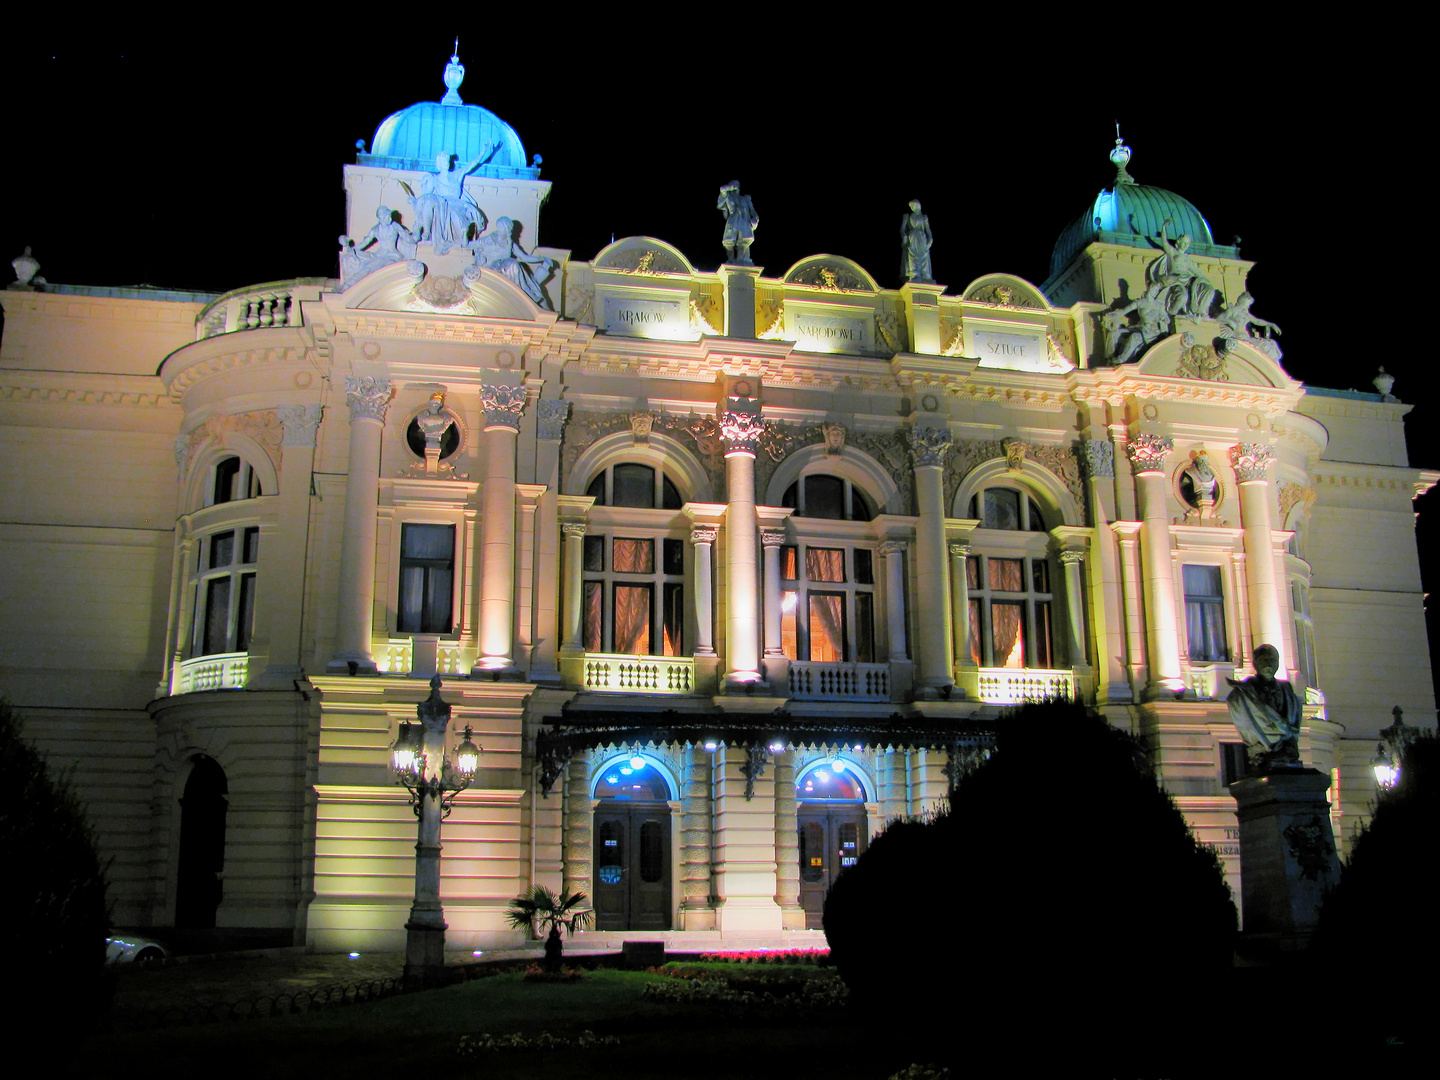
x=1176, y=288
x=388, y=241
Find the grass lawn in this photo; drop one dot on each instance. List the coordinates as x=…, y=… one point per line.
x=396, y=1036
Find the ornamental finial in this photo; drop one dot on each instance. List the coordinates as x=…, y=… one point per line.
x=1120, y=157
x=454, y=76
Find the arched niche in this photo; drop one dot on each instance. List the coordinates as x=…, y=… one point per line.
x=1005, y=290
x=831, y=273
x=661, y=451
x=1042, y=485
x=641, y=255
x=616, y=763
x=858, y=467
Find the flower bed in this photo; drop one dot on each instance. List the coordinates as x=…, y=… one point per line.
x=770, y=956
x=470, y=1045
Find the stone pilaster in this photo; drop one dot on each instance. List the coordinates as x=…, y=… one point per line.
x=893, y=552
x=702, y=538
x=1107, y=607
x=745, y=869
x=787, y=844
x=696, y=907
x=579, y=829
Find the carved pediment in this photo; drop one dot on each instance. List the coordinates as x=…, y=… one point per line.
x=643, y=256
x=1206, y=357
x=448, y=286
x=831, y=273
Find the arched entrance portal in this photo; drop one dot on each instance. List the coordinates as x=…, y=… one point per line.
x=831, y=820
x=202, y=846
x=632, y=849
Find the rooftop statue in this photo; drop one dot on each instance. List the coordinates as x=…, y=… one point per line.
x=1266, y=712
x=387, y=242
x=1192, y=295
x=915, y=242
x=444, y=213
x=1127, y=340
x=740, y=223
x=1241, y=325
x=498, y=251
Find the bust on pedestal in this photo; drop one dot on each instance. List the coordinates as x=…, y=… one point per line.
x=1287, y=847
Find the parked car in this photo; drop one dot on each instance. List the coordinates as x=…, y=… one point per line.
x=133, y=949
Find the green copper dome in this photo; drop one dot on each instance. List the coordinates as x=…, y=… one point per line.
x=1130, y=214
x=414, y=137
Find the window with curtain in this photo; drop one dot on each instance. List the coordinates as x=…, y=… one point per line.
x=1204, y=613
x=827, y=610
x=427, y=577
x=633, y=595
x=224, y=581
x=1010, y=611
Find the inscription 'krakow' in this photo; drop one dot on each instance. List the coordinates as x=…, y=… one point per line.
x=642, y=315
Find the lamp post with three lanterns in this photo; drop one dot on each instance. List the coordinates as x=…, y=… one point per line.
x=433, y=777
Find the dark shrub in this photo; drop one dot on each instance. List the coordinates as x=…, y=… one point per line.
x=53, y=903
x=1062, y=882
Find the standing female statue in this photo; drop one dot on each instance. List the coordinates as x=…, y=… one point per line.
x=915, y=241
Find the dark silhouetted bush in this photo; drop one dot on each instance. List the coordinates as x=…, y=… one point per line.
x=1062, y=882
x=53, y=903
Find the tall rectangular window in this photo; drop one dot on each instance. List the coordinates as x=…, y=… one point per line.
x=225, y=591
x=1204, y=613
x=427, y=575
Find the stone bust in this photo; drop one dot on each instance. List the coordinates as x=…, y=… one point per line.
x=1266, y=712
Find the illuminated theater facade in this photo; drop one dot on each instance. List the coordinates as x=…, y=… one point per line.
x=724, y=568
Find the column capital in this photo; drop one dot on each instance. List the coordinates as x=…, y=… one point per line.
x=1099, y=458
x=367, y=397
x=772, y=538
x=1148, y=453
x=573, y=528
x=1072, y=558
x=959, y=551
x=503, y=406
x=894, y=547
x=551, y=417
x=300, y=423
x=1251, y=461
x=704, y=534
x=929, y=445
x=741, y=431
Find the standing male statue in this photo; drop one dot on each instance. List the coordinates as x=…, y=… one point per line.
x=1266, y=712
x=915, y=242
x=740, y=223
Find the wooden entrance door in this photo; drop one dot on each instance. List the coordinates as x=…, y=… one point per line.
x=832, y=836
x=632, y=866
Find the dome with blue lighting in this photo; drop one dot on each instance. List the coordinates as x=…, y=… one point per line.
x=414, y=137
x=1131, y=214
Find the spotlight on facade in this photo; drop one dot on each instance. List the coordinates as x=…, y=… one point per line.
x=711, y=745
x=838, y=765
x=637, y=762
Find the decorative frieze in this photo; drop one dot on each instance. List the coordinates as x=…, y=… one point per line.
x=1148, y=453
x=1251, y=460
x=367, y=397
x=1015, y=450
x=503, y=406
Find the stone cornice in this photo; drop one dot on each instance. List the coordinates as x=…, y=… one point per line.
x=66, y=388
x=1112, y=386
x=225, y=353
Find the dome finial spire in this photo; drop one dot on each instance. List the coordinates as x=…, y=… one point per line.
x=1120, y=157
x=454, y=76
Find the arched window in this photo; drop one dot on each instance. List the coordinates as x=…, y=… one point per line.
x=831, y=783
x=1007, y=509
x=231, y=480
x=633, y=484
x=820, y=495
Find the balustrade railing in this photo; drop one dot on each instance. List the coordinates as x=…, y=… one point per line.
x=1007, y=686
x=639, y=674
x=257, y=307
x=818, y=681
x=1208, y=682
x=397, y=657
x=221, y=671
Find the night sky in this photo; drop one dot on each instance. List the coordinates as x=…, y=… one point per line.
x=218, y=164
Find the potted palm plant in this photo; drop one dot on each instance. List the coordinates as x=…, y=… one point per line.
x=542, y=909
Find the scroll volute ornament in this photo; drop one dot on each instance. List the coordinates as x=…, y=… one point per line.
x=1148, y=453
x=503, y=406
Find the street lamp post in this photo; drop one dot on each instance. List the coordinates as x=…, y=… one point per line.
x=433, y=778
x=1390, y=750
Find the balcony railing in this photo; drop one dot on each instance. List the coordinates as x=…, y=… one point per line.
x=1010, y=686
x=815, y=681
x=221, y=671
x=396, y=657
x=256, y=307
x=612, y=673
x=1208, y=682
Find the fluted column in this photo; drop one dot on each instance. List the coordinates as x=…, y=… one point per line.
x=771, y=540
x=1074, y=605
x=503, y=406
x=702, y=538
x=368, y=399
x=1147, y=461
x=1251, y=461
x=932, y=573
x=893, y=551
x=696, y=910
x=741, y=431
x=574, y=532
x=787, y=844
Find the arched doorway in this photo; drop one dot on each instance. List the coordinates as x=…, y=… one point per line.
x=632, y=848
x=833, y=832
x=202, y=846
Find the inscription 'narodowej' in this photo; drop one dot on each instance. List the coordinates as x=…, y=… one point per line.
x=829, y=329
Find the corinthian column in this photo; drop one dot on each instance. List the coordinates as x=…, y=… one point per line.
x=741, y=431
x=503, y=406
x=1147, y=461
x=1251, y=461
x=932, y=574
x=368, y=399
